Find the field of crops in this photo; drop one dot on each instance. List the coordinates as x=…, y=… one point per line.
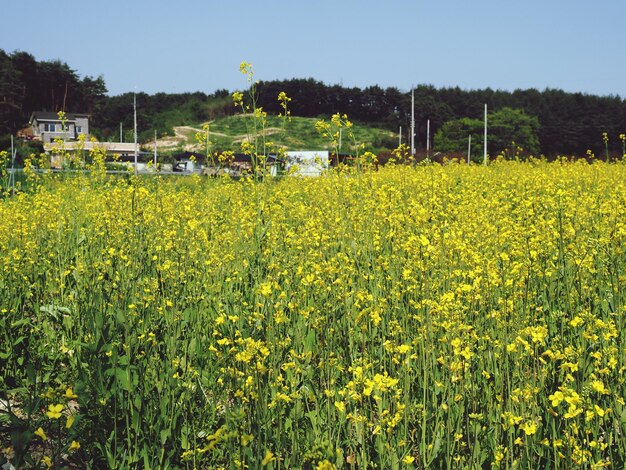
x=439, y=316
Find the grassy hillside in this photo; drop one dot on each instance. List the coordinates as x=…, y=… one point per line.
x=298, y=134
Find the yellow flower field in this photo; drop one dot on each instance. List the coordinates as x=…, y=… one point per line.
x=438, y=316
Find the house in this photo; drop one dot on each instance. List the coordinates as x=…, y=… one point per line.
x=118, y=151
x=240, y=164
x=189, y=162
x=46, y=126
x=233, y=164
x=307, y=162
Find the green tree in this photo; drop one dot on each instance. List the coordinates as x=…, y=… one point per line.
x=93, y=92
x=453, y=137
x=10, y=95
x=508, y=130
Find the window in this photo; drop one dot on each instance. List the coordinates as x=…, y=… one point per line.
x=79, y=129
x=50, y=127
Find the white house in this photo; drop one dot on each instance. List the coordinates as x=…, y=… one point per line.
x=307, y=162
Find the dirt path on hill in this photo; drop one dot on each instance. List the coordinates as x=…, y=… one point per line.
x=183, y=139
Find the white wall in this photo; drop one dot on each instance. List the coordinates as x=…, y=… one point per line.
x=309, y=162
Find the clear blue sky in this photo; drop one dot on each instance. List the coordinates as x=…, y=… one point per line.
x=192, y=45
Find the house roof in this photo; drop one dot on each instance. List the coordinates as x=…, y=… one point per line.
x=244, y=157
x=111, y=147
x=51, y=116
x=199, y=157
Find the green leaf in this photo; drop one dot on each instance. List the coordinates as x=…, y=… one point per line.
x=184, y=440
x=123, y=377
x=120, y=316
x=165, y=433
x=22, y=322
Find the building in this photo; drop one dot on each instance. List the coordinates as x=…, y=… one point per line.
x=116, y=151
x=240, y=164
x=307, y=162
x=46, y=126
x=189, y=162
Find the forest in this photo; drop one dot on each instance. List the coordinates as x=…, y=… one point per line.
x=566, y=123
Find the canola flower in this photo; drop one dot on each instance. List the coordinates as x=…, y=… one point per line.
x=432, y=316
x=41, y=433
x=54, y=411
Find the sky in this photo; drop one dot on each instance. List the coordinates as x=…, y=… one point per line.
x=193, y=45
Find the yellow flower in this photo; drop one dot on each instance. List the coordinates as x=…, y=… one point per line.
x=529, y=428
x=70, y=421
x=54, y=411
x=325, y=465
x=599, y=411
x=245, y=67
x=40, y=432
x=556, y=398
x=599, y=387
x=572, y=412
x=237, y=98
x=75, y=445
x=265, y=289
x=246, y=439
x=269, y=457
x=499, y=454
x=47, y=460
x=576, y=321
x=69, y=394
x=408, y=460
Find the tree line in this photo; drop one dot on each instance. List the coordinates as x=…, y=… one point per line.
x=28, y=85
x=561, y=122
x=566, y=123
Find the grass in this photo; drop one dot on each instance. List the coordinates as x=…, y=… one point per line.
x=299, y=134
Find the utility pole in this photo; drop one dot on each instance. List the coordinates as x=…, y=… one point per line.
x=121, y=134
x=469, y=148
x=207, y=142
x=412, y=122
x=400, y=137
x=155, y=150
x=135, y=122
x=485, y=150
x=428, y=139
x=12, y=177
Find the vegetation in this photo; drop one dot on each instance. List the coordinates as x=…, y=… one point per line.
x=511, y=132
x=568, y=123
x=420, y=316
x=228, y=133
x=27, y=85
x=435, y=316
x=160, y=112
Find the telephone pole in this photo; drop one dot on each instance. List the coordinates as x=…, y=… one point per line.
x=485, y=150
x=412, y=122
x=135, y=122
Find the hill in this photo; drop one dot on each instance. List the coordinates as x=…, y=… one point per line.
x=299, y=133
